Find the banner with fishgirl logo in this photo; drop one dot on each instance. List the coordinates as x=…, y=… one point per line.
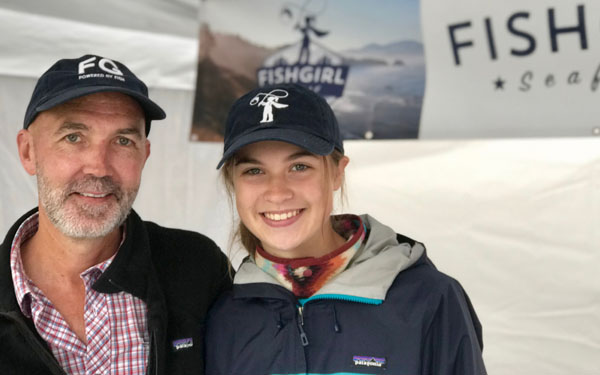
x=401, y=69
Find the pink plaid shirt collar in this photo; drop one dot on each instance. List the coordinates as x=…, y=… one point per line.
x=25, y=290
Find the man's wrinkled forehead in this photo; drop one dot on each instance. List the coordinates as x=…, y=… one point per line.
x=106, y=102
x=99, y=105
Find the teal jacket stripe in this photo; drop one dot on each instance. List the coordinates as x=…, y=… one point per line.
x=343, y=297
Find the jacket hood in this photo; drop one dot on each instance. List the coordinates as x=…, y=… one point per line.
x=370, y=272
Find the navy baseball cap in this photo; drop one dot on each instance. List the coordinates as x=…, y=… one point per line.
x=289, y=113
x=68, y=79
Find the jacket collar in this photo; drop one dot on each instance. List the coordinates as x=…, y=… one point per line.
x=8, y=300
x=369, y=275
x=129, y=269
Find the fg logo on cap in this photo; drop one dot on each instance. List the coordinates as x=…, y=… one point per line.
x=268, y=101
x=105, y=64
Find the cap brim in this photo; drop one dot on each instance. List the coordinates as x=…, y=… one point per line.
x=152, y=110
x=307, y=141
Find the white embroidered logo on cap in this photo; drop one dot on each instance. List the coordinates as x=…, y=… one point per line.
x=269, y=100
x=107, y=65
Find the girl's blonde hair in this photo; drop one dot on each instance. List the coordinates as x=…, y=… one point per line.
x=242, y=233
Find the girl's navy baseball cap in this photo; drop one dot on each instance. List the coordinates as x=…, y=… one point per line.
x=289, y=113
x=68, y=79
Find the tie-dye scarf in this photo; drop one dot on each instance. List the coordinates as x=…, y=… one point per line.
x=305, y=276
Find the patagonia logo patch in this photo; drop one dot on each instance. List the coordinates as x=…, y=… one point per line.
x=368, y=361
x=182, y=344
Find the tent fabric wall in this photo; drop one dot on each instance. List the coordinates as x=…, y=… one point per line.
x=515, y=221
x=153, y=50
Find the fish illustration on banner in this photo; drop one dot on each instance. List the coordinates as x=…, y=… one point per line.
x=315, y=66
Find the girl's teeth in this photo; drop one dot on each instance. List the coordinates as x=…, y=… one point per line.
x=283, y=216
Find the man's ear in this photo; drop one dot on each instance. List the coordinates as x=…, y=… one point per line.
x=147, y=150
x=26, y=151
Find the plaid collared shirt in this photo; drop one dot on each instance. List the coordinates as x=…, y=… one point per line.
x=115, y=324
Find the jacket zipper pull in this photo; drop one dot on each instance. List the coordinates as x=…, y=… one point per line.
x=303, y=337
x=336, y=326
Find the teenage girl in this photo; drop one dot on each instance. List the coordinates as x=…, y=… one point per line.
x=323, y=294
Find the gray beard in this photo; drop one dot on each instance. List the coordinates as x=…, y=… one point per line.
x=79, y=220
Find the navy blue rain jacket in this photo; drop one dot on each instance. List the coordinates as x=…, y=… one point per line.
x=389, y=312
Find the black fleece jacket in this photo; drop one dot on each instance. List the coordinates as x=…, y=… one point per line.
x=177, y=273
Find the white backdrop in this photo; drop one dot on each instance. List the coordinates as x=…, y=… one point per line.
x=514, y=220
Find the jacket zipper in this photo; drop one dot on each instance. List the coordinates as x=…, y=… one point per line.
x=303, y=337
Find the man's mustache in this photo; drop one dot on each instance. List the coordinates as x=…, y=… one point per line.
x=99, y=185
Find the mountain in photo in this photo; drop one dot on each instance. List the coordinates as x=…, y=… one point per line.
x=227, y=66
x=407, y=52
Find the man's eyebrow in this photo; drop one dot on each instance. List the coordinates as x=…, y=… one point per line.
x=68, y=126
x=131, y=131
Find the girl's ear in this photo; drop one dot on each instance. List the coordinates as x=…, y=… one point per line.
x=339, y=172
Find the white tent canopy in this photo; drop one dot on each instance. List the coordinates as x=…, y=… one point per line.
x=156, y=38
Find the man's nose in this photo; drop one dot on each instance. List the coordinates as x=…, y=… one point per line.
x=96, y=160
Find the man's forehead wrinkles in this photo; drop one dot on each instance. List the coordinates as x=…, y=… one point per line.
x=133, y=129
x=65, y=126
x=103, y=103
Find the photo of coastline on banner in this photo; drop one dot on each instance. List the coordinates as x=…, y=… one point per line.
x=366, y=59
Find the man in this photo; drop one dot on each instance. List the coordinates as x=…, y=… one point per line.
x=86, y=286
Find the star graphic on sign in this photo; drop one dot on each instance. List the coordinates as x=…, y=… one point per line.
x=499, y=83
